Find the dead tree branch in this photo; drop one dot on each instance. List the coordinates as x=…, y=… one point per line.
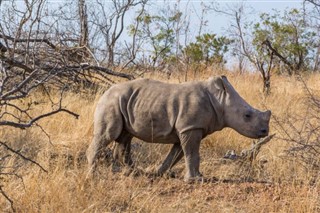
x=314, y=2
x=7, y=198
x=34, y=120
x=249, y=154
x=107, y=71
x=43, y=40
x=276, y=53
x=22, y=156
x=302, y=132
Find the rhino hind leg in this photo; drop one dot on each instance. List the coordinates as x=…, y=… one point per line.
x=103, y=135
x=173, y=157
x=122, y=150
x=190, y=143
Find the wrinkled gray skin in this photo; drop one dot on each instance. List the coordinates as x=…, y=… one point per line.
x=178, y=114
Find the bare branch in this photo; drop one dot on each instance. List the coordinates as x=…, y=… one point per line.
x=275, y=52
x=84, y=32
x=22, y=156
x=314, y=2
x=105, y=70
x=6, y=196
x=249, y=154
x=29, y=124
x=15, y=63
x=3, y=49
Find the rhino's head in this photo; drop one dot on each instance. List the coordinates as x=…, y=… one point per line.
x=237, y=113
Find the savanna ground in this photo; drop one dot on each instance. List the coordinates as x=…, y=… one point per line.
x=274, y=182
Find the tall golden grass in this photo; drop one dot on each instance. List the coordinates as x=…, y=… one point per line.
x=65, y=188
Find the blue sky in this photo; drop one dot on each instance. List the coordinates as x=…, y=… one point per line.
x=217, y=23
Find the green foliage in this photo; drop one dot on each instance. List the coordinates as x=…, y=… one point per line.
x=158, y=31
x=209, y=49
x=289, y=35
x=284, y=42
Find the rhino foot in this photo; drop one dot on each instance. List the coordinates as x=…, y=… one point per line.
x=195, y=179
x=116, y=167
x=151, y=173
x=171, y=174
x=134, y=172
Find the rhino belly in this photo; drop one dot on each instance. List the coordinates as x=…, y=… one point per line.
x=152, y=130
x=168, y=139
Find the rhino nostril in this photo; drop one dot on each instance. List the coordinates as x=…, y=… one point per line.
x=264, y=131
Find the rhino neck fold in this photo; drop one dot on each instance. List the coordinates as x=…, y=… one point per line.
x=217, y=122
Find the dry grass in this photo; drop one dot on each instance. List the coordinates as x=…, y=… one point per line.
x=65, y=189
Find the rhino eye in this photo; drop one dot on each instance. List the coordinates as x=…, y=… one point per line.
x=247, y=116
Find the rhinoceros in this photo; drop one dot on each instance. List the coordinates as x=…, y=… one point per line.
x=179, y=114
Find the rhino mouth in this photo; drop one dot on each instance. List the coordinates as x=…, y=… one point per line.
x=262, y=136
x=262, y=133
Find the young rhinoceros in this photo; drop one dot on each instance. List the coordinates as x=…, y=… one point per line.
x=178, y=114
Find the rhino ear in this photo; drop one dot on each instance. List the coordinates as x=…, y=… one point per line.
x=219, y=82
x=226, y=84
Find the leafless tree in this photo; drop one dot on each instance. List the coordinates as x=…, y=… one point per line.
x=313, y=14
x=108, y=20
x=246, y=50
x=316, y=3
x=83, y=16
x=243, y=47
x=22, y=71
x=158, y=36
x=30, y=59
x=133, y=48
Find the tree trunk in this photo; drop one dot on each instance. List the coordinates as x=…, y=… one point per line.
x=291, y=68
x=316, y=61
x=266, y=84
x=84, y=37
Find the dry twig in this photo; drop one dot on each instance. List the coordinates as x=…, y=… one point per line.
x=249, y=154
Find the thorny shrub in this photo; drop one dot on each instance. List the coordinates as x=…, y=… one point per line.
x=301, y=131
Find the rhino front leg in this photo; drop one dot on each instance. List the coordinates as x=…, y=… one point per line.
x=173, y=157
x=190, y=142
